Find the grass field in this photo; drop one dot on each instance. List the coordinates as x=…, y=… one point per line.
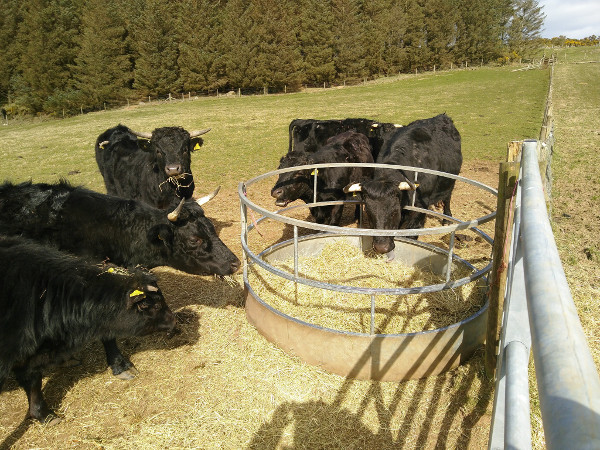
x=219, y=384
x=489, y=106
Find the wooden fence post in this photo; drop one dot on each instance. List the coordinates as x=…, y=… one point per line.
x=514, y=151
x=509, y=172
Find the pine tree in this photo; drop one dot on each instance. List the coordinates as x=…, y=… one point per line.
x=440, y=32
x=47, y=43
x=414, y=39
x=236, y=46
x=276, y=58
x=394, y=23
x=480, y=29
x=155, y=35
x=315, y=36
x=200, y=24
x=9, y=23
x=525, y=26
x=373, y=16
x=348, y=38
x=103, y=71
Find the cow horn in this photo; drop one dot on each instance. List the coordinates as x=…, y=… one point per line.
x=201, y=201
x=356, y=187
x=199, y=132
x=407, y=186
x=172, y=216
x=142, y=135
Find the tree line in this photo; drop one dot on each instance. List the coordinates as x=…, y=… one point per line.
x=72, y=55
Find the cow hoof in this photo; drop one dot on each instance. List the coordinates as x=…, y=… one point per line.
x=128, y=374
x=52, y=420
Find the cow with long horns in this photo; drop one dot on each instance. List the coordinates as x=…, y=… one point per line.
x=152, y=167
x=125, y=231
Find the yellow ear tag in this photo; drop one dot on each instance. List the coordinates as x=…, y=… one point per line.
x=136, y=293
x=315, y=172
x=197, y=147
x=111, y=270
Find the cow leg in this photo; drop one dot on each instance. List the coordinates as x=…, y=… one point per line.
x=31, y=382
x=121, y=367
x=447, y=211
x=336, y=215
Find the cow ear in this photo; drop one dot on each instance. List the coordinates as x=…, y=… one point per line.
x=135, y=298
x=196, y=143
x=144, y=144
x=420, y=134
x=161, y=235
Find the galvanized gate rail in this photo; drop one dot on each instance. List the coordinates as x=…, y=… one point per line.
x=567, y=379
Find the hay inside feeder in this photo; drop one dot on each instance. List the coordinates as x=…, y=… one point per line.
x=344, y=264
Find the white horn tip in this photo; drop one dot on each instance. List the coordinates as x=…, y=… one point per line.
x=201, y=201
x=356, y=187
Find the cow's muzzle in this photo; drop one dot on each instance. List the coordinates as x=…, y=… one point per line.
x=383, y=245
x=173, y=170
x=277, y=194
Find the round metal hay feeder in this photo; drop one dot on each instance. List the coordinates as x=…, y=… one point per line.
x=372, y=356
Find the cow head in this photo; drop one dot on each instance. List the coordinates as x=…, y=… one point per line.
x=383, y=202
x=296, y=185
x=144, y=309
x=169, y=149
x=188, y=241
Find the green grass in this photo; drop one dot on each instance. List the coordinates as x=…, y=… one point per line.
x=490, y=107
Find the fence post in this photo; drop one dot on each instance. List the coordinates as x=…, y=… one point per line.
x=509, y=172
x=514, y=151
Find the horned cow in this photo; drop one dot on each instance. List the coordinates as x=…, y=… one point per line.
x=152, y=167
x=432, y=143
x=125, y=231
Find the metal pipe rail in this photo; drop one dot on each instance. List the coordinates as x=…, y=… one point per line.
x=567, y=379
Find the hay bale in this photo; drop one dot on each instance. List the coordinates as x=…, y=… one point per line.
x=343, y=264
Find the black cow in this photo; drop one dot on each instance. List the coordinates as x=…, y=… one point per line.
x=349, y=146
x=53, y=304
x=429, y=143
x=309, y=134
x=152, y=167
x=128, y=232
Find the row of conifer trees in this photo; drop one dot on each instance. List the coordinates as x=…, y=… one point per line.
x=68, y=55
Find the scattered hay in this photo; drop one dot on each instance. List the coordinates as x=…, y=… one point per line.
x=174, y=180
x=343, y=264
